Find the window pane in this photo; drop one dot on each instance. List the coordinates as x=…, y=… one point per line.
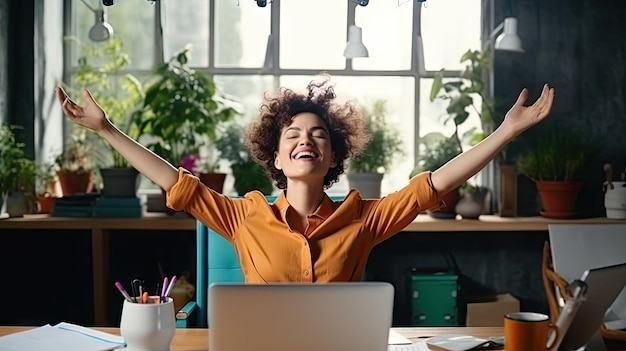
x=132, y=21
x=307, y=43
x=387, y=34
x=449, y=28
x=249, y=90
x=399, y=93
x=241, y=33
x=186, y=24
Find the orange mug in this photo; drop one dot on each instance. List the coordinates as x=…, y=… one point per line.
x=525, y=331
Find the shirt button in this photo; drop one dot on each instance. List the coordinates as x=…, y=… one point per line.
x=306, y=272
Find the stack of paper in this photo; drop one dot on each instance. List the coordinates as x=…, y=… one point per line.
x=63, y=336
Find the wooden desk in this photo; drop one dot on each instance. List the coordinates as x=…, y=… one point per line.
x=198, y=339
x=100, y=228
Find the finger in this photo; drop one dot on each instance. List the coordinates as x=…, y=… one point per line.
x=87, y=95
x=521, y=99
x=543, y=99
x=549, y=100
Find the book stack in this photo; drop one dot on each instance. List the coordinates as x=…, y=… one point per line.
x=77, y=205
x=118, y=207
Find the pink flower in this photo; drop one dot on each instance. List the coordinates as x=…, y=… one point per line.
x=189, y=162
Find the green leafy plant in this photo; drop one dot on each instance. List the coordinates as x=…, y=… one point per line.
x=182, y=109
x=384, y=146
x=249, y=175
x=557, y=156
x=435, y=150
x=77, y=154
x=17, y=172
x=100, y=69
x=461, y=95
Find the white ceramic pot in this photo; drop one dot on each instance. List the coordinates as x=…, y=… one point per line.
x=615, y=200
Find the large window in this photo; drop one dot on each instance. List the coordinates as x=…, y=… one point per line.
x=251, y=49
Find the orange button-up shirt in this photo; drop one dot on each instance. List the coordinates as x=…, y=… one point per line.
x=338, y=239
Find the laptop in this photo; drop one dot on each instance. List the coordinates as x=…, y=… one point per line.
x=303, y=317
x=578, y=247
x=603, y=286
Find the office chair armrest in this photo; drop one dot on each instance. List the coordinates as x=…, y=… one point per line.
x=184, y=313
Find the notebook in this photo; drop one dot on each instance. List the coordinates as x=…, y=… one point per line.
x=304, y=317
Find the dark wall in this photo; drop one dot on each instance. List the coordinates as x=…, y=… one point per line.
x=17, y=67
x=578, y=47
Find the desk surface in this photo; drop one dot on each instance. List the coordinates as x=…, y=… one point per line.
x=423, y=223
x=197, y=339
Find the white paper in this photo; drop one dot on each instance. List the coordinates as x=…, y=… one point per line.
x=61, y=337
x=418, y=346
x=455, y=342
x=396, y=339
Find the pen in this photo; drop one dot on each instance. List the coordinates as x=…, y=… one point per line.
x=164, y=289
x=169, y=288
x=123, y=291
x=135, y=286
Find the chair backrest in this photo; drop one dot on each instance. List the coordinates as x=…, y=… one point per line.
x=217, y=261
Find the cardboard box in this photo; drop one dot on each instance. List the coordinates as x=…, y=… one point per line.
x=490, y=312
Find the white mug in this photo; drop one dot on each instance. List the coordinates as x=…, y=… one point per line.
x=148, y=326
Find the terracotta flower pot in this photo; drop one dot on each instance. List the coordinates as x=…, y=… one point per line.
x=558, y=198
x=74, y=182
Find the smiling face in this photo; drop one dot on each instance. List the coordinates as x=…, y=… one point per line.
x=304, y=149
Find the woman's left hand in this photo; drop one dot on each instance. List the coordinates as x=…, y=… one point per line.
x=520, y=117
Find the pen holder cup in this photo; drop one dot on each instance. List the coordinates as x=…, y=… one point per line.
x=148, y=326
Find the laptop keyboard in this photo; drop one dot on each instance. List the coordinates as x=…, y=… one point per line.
x=418, y=346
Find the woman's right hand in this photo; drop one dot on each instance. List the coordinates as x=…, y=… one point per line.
x=91, y=116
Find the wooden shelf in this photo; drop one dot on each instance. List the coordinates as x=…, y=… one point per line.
x=100, y=230
x=425, y=223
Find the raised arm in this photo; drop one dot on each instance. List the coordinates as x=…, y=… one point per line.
x=517, y=119
x=93, y=117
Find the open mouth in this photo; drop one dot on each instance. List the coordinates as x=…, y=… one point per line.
x=305, y=155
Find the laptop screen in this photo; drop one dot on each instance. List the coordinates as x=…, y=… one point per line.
x=304, y=317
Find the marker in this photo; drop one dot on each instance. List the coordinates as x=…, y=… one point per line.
x=163, y=289
x=169, y=288
x=144, y=297
x=123, y=291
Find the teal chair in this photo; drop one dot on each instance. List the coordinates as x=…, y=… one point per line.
x=216, y=261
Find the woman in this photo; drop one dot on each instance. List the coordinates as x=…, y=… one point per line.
x=303, y=141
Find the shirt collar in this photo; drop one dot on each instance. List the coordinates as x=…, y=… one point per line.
x=326, y=208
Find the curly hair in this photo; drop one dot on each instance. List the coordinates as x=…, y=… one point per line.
x=345, y=123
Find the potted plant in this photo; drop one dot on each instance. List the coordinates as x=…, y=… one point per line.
x=74, y=166
x=435, y=150
x=182, y=110
x=99, y=69
x=366, y=170
x=46, y=179
x=556, y=163
x=248, y=174
x=17, y=175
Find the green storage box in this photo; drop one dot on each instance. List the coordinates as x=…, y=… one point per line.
x=434, y=299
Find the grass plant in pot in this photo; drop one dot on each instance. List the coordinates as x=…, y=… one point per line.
x=366, y=170
x=100, y=68
x=556, y=163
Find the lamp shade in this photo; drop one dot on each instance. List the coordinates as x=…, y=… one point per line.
x=509, y=40
x=101, y=30
x=355, y=47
